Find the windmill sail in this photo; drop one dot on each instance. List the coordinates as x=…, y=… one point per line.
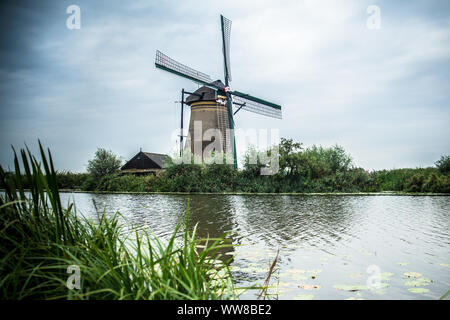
x=256, y=105
x=168, y=64
x=215, y=99
x=226, y=33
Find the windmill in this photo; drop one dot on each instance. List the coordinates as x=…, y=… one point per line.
x=212, y=104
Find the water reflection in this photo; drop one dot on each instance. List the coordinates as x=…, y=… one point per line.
x=160, y=214
x=339, y=235
x=286, y=221
x=213, y=216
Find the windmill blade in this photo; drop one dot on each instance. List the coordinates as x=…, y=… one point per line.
x=226, y=33
x=168, y=64
x=256, y=105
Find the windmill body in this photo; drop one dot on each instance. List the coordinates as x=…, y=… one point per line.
x=210, y=117
x=214, y=105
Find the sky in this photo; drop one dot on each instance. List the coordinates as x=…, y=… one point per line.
x=383, y=94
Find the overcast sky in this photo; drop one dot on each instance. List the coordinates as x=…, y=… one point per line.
x=383, y=94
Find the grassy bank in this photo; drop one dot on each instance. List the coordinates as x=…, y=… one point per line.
x=301, y=170
x=314, y=170
x=44, y=247
x=200, y=179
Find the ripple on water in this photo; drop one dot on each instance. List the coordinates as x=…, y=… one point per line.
x=342, y=235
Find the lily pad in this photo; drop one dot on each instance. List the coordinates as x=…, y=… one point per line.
x=418, y=290
x=308, y=286
x=315, y=271
x=380, y=285
x=284, y=284
x=304, y=297
x=386, y=275
x=355, y=275
x=418, y=282
x=295, y=271
x=412, y=274
x=445, y=264
x=298, y=276
x=402, y=263
x=279, y=291
x=351, y=288
x=379, y=292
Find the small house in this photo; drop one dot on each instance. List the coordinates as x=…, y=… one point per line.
x=145, y=163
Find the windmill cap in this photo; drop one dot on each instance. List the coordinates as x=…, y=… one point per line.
x=206, y=93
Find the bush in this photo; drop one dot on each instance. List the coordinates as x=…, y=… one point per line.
x=183, y=178
x=124, y=183
x=431, y=184
x=90, y=183
x=445, y=184
x=415, y=183
x=334, y=158
x=69, y=180
x=104, y=163
x=443, y=164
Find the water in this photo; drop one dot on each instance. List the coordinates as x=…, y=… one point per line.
x=329, y=242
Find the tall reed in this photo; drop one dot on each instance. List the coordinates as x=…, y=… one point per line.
x=40, y=240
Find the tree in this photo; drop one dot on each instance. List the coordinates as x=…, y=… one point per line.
x=253, y=161
x=443, y=164
x=105, y=162
x=337, y=159
x=289, y=156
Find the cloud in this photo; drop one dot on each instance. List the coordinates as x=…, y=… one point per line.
x=381, y=94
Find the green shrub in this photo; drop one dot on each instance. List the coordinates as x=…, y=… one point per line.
x=443, y=164
x=70, y=180
x=124, y=183
x=90, y=183
x=104, y=163
x=445, y=184
x=432, y=184
x=415, y=183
